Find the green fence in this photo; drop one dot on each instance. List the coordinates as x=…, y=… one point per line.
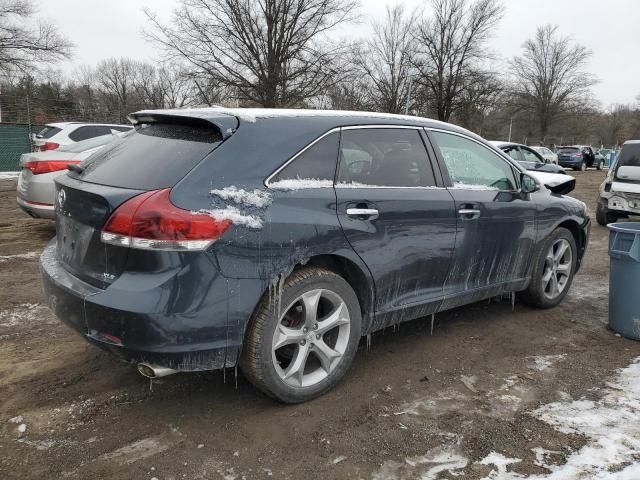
x=14, y=141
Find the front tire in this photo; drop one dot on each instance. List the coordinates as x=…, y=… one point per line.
x=553, y=270
x=302, y=340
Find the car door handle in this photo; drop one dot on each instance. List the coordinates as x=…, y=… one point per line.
x=363, y=213
x=469, y=213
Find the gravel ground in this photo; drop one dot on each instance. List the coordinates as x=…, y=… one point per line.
x=460, y=403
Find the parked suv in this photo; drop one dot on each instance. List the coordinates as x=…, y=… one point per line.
x=547, y=154
x=274, y=240
x=620, y=192
x=55, y=134
x=579, y=157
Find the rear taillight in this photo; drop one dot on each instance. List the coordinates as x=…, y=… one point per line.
x=49, y=146
x=150, y=221
x=48, y=166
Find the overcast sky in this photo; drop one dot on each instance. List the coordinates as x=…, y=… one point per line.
x=610, y=28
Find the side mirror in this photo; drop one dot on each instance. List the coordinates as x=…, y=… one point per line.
x=528, y=184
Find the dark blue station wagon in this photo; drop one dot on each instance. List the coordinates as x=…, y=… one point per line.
x=274, y=240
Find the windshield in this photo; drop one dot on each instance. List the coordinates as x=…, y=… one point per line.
x=568, y=150
x=85, y=145
x=48, y=132
x=151, y=156
x=629, y=155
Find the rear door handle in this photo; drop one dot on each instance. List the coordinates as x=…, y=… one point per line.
x=363, y=213
x=469, y=213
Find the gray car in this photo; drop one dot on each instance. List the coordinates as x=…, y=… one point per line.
x=36, y=190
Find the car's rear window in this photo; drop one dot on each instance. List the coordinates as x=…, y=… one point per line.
x=151, y=156
x=48, y=132
x=568, y=150
x=630, y=155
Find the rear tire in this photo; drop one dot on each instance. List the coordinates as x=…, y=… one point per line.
x=290, y=352
x=553, y=270
x=600, y=165
x=583, y=166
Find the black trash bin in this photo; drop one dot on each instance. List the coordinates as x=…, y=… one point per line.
x=624, y=278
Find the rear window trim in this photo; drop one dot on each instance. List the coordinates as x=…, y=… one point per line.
x=296, y=155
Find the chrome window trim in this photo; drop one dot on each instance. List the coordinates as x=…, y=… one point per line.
x=267, y=181
x=501, y=156
x=363, y=187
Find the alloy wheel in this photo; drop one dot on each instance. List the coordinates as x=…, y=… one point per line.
x=557, y=269
x=311, y=338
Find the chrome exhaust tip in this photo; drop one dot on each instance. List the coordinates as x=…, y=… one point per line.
x=154, y=371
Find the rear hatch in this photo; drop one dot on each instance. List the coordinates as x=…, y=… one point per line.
x=567, y=153
x=156, y=155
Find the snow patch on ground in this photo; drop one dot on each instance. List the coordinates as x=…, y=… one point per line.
x=234, y=215
x=500, y=462
x=256, y=198
x=447, y=458
x=22, y=315
x=135, y=451
x=19, y=256
x=8, y=175
x=612, y=425
x=544, y=362
x=300, y=184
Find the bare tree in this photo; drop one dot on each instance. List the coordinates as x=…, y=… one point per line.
x=116, y=82
x=386, y=60
x=452, y=42
x=551, y=76
x=25, y=42
x=271, y=52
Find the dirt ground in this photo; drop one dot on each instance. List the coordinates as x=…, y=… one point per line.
x=471, y=386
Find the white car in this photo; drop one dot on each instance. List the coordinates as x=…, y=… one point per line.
x=547, y=154
x=36, y=190
x=54, y=135
x=620, y=192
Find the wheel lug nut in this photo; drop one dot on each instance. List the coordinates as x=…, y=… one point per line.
x=315, y=326
x=303, y=342
x=318, y=336
x=305, y=329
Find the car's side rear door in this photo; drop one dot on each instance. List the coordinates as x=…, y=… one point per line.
x=496, y=230
x=397, y=216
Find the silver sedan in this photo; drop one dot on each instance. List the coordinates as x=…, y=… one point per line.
x=36, y=190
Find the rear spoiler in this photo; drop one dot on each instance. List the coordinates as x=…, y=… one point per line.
x=226, y=124
x=559, y=183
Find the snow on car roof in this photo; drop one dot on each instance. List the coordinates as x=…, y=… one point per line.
x=251, y=115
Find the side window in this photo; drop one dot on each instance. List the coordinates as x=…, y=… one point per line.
x=386, y=157
x=317, y=163
x=83, y=133
x=471, y=165
x=513, y=153
x=531, y=156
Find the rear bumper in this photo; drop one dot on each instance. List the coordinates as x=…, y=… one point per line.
x=37, y=210
x=153, y=318
x=570, y=163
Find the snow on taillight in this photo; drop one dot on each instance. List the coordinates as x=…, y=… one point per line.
x=48, y=166
x=150, y=221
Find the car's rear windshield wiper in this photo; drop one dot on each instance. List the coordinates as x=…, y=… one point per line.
x=75, y=168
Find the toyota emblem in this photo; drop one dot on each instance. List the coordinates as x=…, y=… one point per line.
x=61, y=198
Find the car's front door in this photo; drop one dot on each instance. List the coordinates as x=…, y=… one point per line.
x=496, y=222
x=398, y=217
